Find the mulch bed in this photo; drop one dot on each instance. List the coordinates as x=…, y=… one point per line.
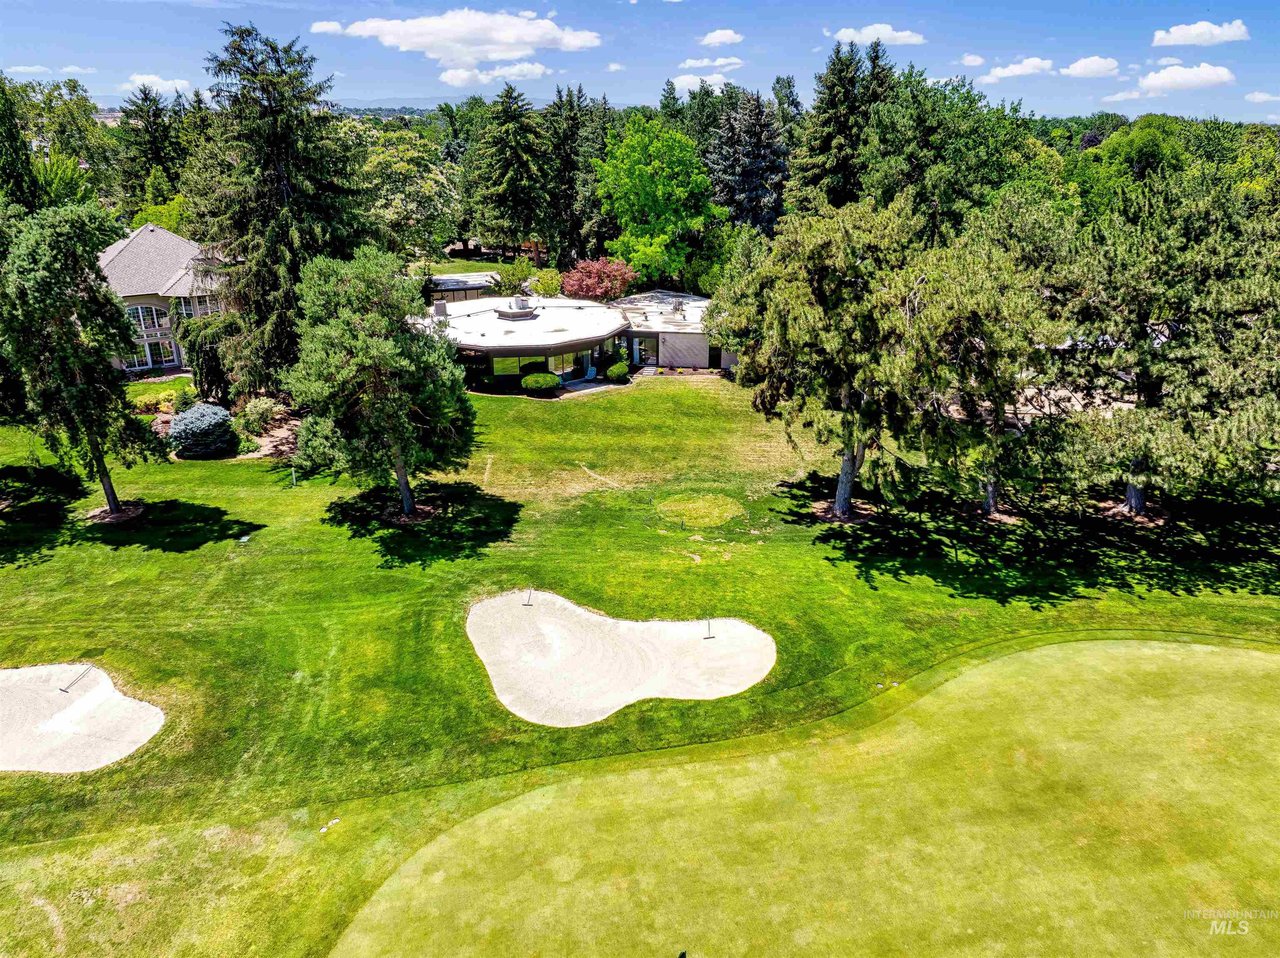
x=392, y=515
x=1152, y=518
x=128, y=512
x=859, y=512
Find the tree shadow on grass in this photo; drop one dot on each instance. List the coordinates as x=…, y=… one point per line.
x=1051, y=555
x=169, y=525
x=461, y=521
x=35, y=504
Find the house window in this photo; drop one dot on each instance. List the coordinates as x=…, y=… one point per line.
x=148, y=318
x=506, y=365
x=163, y=354
x=189, y=306
x=139, y=360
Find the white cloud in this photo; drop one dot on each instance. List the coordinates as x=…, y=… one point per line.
x=1174, y=79
x=615, y=68
x=1201, y=34
x=469, y=76
x=1168, y=62
x=1123, y=95
x=27, y=70
x=73, y=70
x=1027, y=66
x=688, y=81
x=1092, y=68
x=1259, y=97
x=972, y=60
x=719, y=63
x=326, y=26
x=879, y=31
x=720, y=38
x=1273, y=117
x=156, y=83
x=464, y=38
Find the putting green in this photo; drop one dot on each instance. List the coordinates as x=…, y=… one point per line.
x=1083, y=798
x=700, y=512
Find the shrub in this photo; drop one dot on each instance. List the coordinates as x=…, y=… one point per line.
x=598, y=279
x=536, y=366
x=512, y=277
x=184, y=399
x=546, y=282
x=156, y=402
x=618, y=373
x=540, y=384
x=258, y=414
x=203, y=432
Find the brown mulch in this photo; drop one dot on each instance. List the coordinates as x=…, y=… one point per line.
x=278, y=442
x=393, y=516
x=128, y=512
x=1154, y=517
x=859, y=512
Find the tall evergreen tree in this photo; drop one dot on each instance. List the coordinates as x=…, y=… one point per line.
x=599, y=120
x=788, y=110
x=702, y=115
x=17, y=179
x=274, y=187
x=563, y=120
x=748, y=165
x=827, y=164
x=61, y=326
x=509, y=177
x=149, y=141
x=669, y=105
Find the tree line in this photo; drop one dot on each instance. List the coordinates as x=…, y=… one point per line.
x=950, y=292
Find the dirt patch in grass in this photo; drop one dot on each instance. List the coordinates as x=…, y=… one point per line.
x=859, y=512
x=128, y=512
x=1152, y=518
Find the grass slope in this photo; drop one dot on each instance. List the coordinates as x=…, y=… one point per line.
x=312, y=662
x=1071, y=799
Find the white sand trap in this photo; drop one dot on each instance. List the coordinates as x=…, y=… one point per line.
x=557, y=664
x=43, y=729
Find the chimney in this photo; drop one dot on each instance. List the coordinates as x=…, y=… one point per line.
x=440, y=309
x=520, y=302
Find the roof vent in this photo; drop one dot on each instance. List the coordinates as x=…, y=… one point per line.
x=520, y=308
x=440, y=309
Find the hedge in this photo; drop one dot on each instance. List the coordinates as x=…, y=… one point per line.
x=540, y=383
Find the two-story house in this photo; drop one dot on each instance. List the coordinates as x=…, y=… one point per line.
x=155, y=271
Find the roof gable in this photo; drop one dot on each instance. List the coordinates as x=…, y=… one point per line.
x=151, y=261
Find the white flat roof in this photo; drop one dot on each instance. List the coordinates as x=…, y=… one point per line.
x=554, y=324
x=664, y=311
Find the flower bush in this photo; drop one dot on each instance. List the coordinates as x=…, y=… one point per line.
x=602, y=279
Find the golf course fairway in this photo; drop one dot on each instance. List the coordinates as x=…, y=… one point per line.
x=1093, y=797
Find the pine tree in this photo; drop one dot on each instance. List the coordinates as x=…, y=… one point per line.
x=563, y=120
x=701, y=117
x=61, y=326
x=149, y=141
x=748, y=165
x=272, y=188
x=788, y=110
x=17, y=179
x=669, y=105
x=509, y=179
x=599, y=119
x=827, y=162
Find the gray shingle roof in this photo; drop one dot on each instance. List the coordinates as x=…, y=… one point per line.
x=151, y=261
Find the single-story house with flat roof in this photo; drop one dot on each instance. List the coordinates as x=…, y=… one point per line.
x=155, y=271
x=461, y=287
x=572, y=338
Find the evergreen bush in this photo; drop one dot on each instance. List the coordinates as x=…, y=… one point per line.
x=203, y=432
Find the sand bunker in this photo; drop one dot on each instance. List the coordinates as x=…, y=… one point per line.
x=46, y=729
x=557, y=664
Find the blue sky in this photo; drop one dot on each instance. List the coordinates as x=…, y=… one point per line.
x=1187, y=58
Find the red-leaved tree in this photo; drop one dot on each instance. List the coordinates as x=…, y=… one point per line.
x=603, y=279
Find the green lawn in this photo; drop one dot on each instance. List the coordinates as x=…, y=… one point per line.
x=318, y=668
x=141, y=388
x=1071, y=799
x=464, y=266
